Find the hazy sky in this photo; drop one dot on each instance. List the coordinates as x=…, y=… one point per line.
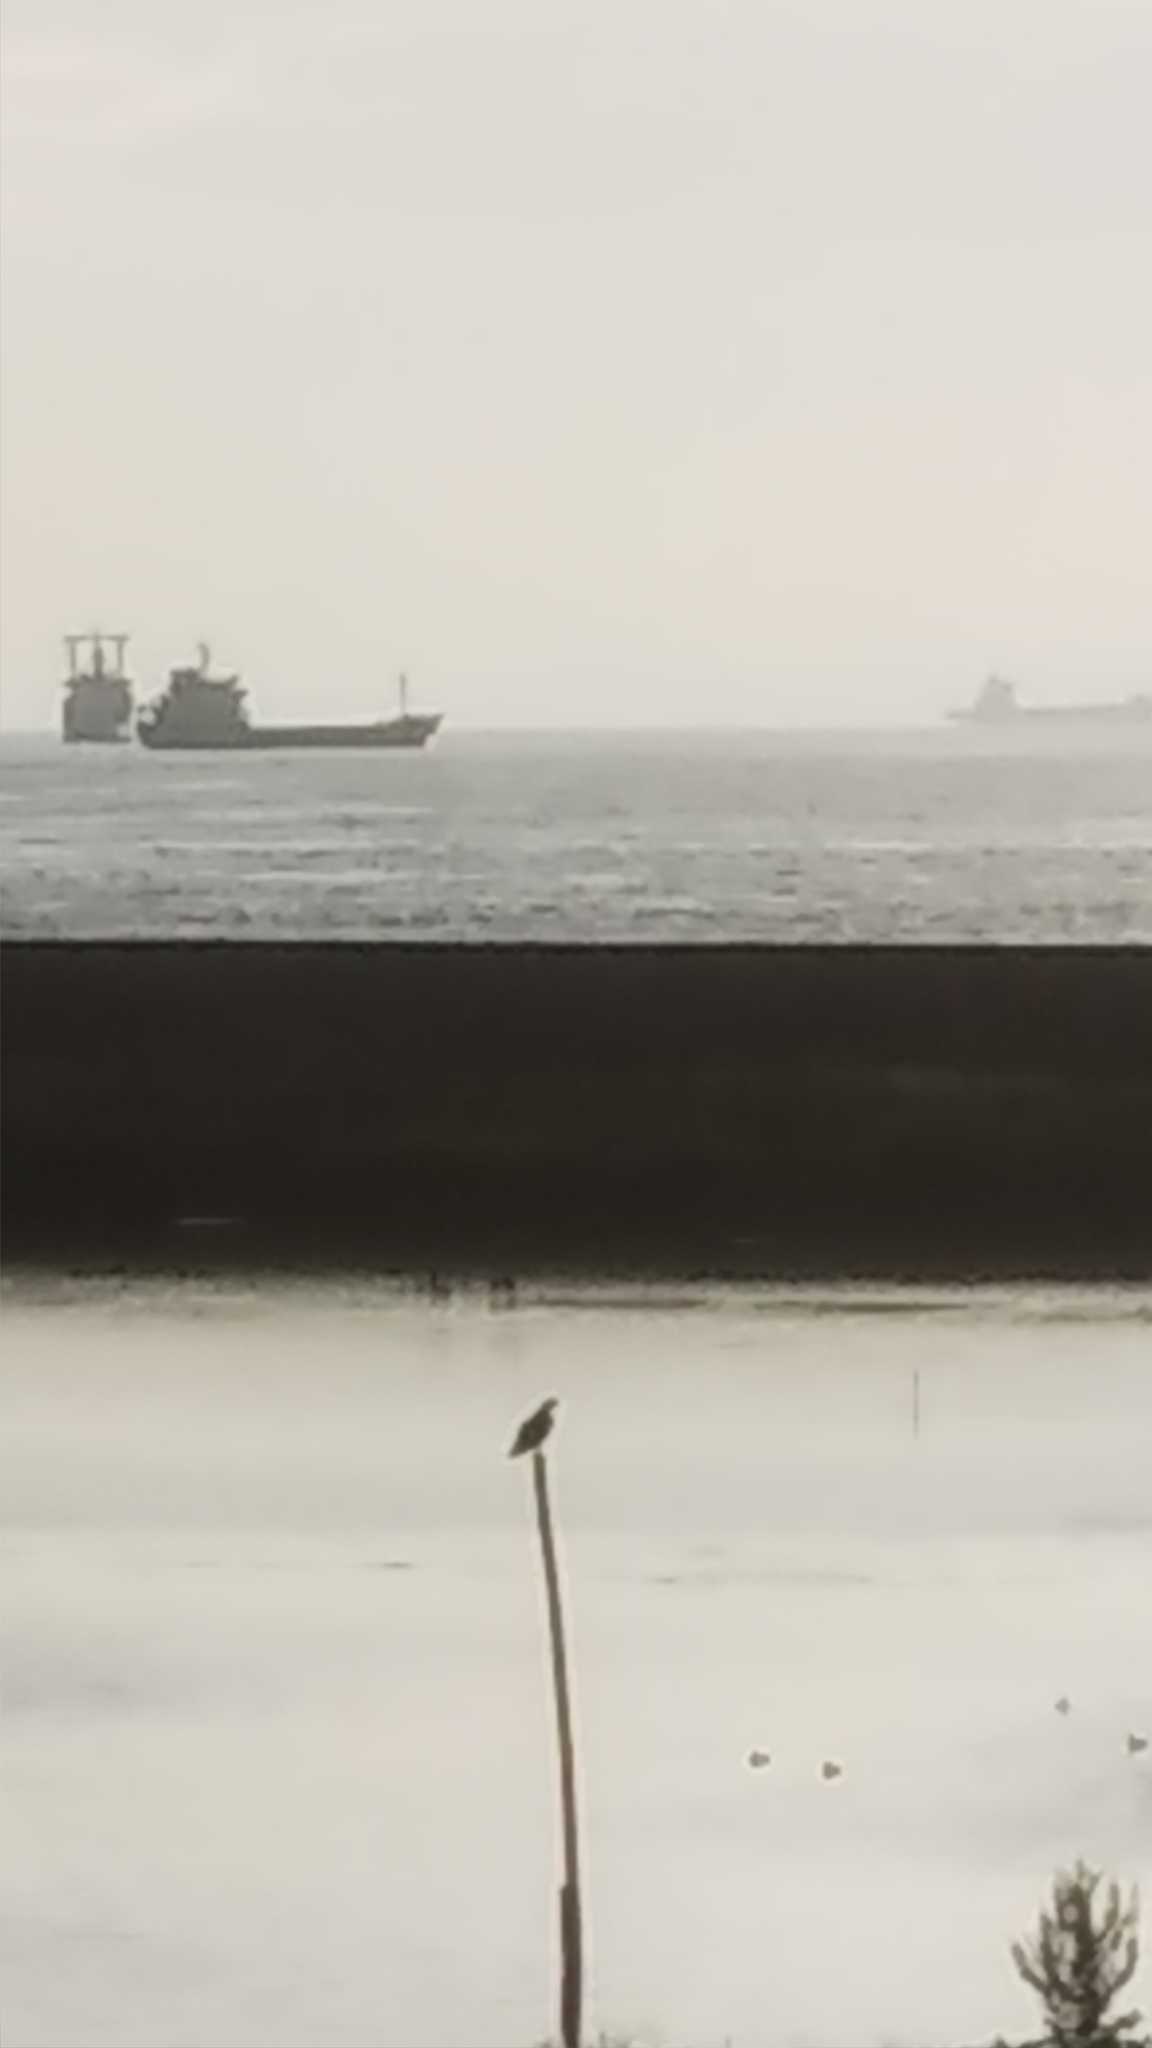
x=600, y=360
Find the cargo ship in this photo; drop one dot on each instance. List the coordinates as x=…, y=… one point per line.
x=200, y=710
x=97, y=705
x=998, y=704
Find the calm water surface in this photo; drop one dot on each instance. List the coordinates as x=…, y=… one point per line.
x=278, y=1766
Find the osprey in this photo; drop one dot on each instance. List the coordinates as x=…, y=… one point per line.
x=531, y=1434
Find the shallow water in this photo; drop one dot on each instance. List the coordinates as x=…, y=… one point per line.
x=821, y=837
x=278, y=1766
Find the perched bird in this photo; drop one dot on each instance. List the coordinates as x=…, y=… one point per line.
x=758, y=1759
x=532, y=1433
x=1136, y=1743
x=830, y=1770
x=1064, y=1706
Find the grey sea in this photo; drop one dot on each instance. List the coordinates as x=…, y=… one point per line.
x=951, y=835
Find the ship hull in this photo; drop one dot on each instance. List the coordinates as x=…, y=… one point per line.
x=407, y=733
x=1068, y=714
x=97, y=711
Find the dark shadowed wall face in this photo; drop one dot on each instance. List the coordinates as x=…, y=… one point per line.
x=730, y=1109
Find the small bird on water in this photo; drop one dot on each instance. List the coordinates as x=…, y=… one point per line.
x=532, y=1433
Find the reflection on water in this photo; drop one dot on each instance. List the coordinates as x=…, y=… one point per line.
x=278, y=1740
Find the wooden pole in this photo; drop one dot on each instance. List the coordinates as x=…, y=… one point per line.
x=571, y=1911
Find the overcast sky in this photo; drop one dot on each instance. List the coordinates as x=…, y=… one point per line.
x=600, y=360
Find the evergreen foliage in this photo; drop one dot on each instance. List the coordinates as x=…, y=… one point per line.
x=1080, y=1959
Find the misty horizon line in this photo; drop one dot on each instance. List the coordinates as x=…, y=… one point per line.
x=967, y=732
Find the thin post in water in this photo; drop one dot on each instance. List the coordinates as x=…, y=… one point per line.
x=571, y=1909
x=531, y=1438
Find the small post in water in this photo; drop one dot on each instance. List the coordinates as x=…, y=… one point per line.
x=530, y=1438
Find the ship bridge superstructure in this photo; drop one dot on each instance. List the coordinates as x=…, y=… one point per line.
x=197, y=709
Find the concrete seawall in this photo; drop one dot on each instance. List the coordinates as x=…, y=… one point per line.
x=730, y=1110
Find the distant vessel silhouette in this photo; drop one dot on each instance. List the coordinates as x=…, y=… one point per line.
x=997, y=703
x=200, y=710
x=97, y=693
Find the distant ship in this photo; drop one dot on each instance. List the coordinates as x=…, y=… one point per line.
x=198, y=709
x=97, y=693
x=997, y=704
